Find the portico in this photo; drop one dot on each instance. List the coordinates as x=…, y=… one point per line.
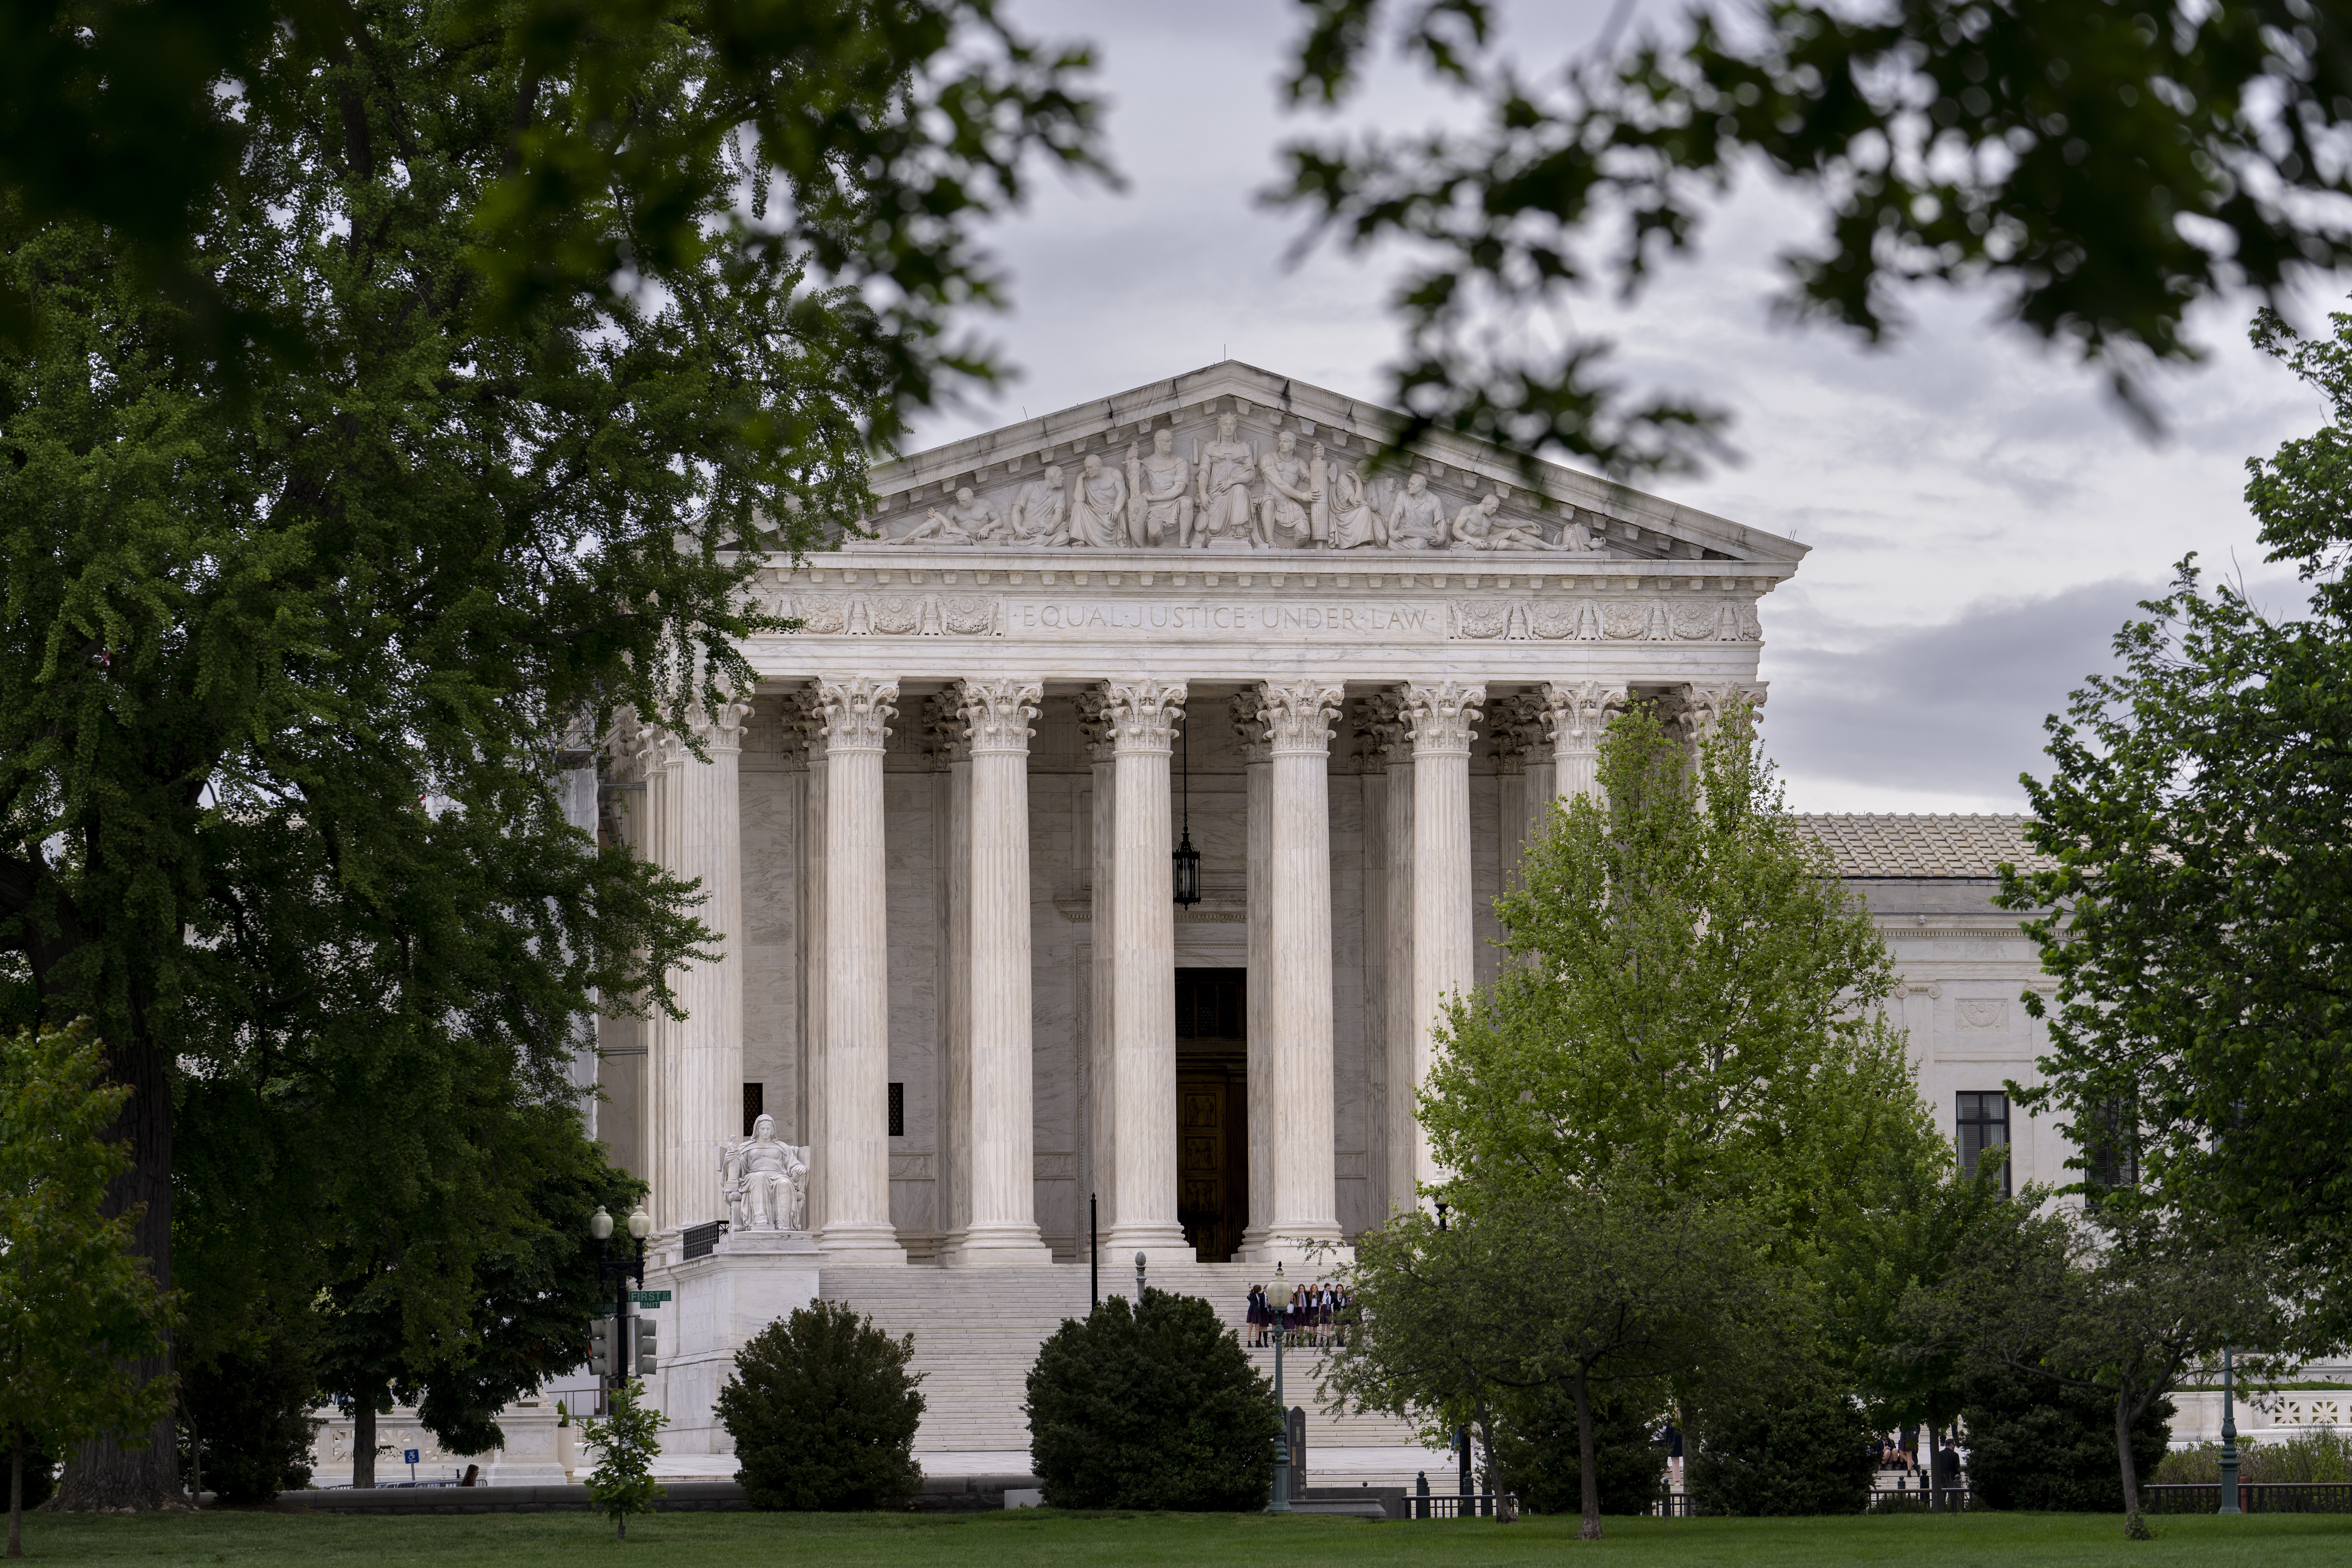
x=951, y=953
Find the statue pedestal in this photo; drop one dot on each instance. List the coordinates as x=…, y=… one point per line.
x=750, y=1279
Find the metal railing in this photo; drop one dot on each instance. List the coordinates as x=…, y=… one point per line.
x=1679, y=1505
x=1456, y=1505
x=2254, y=1496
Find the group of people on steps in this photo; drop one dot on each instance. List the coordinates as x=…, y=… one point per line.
x=1317, y=1315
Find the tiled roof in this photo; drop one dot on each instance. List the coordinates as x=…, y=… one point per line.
x=1891, y=846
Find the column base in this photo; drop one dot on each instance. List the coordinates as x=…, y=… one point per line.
x=860, y=1244
x=1158, y=1243
x=1000, y=1247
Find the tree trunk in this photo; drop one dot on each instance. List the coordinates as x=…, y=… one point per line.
x=123, y=1469
x=1587, y=1473
x=2123, y=1414
x=1935, y=1492
x=16, y=1495
x=363, y=1441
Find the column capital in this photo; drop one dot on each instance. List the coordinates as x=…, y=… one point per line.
x=1144, y=714
x=1298, y=714
x=1703, y=708
x=855, y=714
x=1248, y=707
x=1379, y=725
x=1577, y=713
x=1516, y=725
x=721, y=731
x=945, y=737
x=1094, y=722
x=1442, y=714
x=996, y=714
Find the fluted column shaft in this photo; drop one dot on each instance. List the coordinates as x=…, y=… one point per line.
x=1305, y=1204
x=1257, y=993
x=1142, y=715
x=954, y=1187
x=1003, y=1223
x=1443, y=716
x=1398, y=1033
x=703, y=1073
x=816, y=963
x=857, y=959
x=1102, y=1071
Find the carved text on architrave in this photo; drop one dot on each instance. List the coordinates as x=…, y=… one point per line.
x=1083, y=618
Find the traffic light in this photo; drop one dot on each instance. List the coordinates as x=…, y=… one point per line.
x=601, y=1348
x=647, y=1347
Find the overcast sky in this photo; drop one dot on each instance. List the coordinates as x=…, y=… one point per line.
x=1982, y=517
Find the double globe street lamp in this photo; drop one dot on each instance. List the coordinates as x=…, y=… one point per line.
x=610, y=1361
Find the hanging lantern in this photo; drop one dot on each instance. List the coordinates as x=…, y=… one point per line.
x=1187, y=858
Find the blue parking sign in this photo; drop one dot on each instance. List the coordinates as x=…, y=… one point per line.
x=408, y=1456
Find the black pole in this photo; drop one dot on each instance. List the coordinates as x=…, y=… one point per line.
x=1094, y=1249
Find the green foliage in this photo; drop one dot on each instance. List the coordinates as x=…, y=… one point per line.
x=1805, y=1451
x=2195, y=810
x=246, y=1427
x=1697, y=1003
x=78, y=1305
x=1537, y=1449
x=1151, y=1408
x=628, y=1441
x=2307, y=1457
x=2047, y=148
x=2037, y=1443
x=824, y=1413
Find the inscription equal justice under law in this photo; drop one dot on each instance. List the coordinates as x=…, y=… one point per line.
x=1081, y=618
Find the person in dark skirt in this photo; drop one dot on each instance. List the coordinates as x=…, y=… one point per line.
x=1257, y=1314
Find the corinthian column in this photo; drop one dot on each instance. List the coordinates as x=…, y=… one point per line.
x=944, y=723
x=813, y=892
x=1578, y=714
x=1003, y=1221
x=1386, y=728
x=1102, y=1071
x=856, y=714
x=1142, y=715
x=702, y=1090
x=1306, y=1206
x=1441, y=715
x=1257, y=993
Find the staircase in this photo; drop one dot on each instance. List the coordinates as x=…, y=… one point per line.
x=977, y=1331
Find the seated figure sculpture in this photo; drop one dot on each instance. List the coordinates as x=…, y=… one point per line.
x=1416, y=518
x=1475, y=527
x=970, y=521
x=764, y=1183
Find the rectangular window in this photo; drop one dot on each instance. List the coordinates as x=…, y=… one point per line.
x=897, y=1111
x=1980, y=1122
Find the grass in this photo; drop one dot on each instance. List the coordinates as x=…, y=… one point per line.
x=1043, y=1539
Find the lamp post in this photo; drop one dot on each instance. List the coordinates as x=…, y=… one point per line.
x=617, y=1272
x=2229, y=1437
x=1277, y=1301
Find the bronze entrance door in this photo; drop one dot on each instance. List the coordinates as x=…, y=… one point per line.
x=1213, y=1110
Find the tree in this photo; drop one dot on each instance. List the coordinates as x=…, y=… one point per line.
x=623, y=1481
x=1539, y=1452
x=78, y=1310
x=2037, y=1443
x=1805, y=1450
x=1626, y=1295
x=2199, y=913
x=2119, y=1299
x=2103, y=168
x=246, y=1427
x=1696, y=1001
x=824, y=1412
x=1155, y=1406
x=298, y=629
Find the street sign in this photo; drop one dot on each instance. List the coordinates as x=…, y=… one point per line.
x=648, y=1298
x=408, y=1456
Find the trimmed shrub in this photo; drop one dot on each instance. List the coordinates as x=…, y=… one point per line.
x=2037, y=1443
x=246, y=1428
x=823, y=1411
x=1808, y=1456
x=2307, y=1457
x=1537, y=1455
x=1152, y=1409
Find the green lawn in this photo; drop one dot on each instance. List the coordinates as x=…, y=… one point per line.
x=1038, y=1539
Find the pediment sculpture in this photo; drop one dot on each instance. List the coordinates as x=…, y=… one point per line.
x=764, y=1183
x=1221, y=486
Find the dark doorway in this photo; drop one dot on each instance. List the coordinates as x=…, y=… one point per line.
x=1213, y=1110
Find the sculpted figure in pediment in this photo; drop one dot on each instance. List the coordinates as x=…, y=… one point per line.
x=1098, y=506
x=1475, y=527
x=1355, y=518
x=1041, y=512
x=971, y=521
x=1159, y=509
x=1282, y=516
x=1416, y=518
x=1228, y=463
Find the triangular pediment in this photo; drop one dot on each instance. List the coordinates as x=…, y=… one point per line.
x=1202, y=460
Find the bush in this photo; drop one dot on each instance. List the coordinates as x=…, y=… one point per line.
x=2037, y=1443
x=246, y=1428
x=40, y=1478
x=823, y=1411
x=1537, y=1457
x=1810, y=1454
x=2304, y=1457
x=1154, y=1409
